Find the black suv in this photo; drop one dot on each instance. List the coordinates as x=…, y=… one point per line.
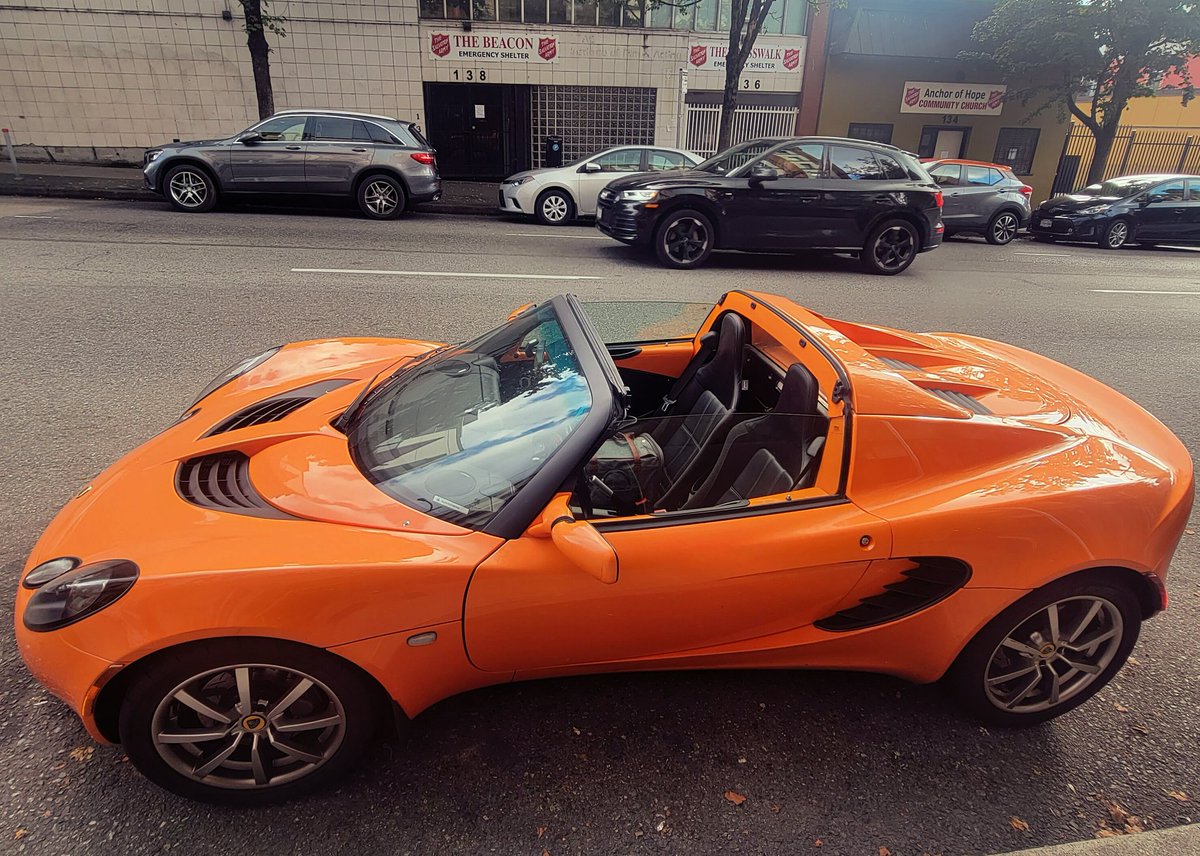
x=782, y=195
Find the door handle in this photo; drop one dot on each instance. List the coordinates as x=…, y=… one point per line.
x=358, y=150
x=808, y=197
x=293, y=148
x=623, y=352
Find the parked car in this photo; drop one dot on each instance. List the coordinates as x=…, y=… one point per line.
x=1138, y=209
x=983, y=198
x=557, y=195
x=384, y=164
x=339, y=533
x=783, y=195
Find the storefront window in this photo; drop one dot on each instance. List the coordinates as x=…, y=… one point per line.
x=510, y=10
x=705, y=16
x=483, y=10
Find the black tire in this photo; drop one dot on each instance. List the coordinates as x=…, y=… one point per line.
x=684, y=239
x=190, y=189
x=554, y=207
x=1115, y=234
x=273, y=668
x=969, y=677
x=890, y=248
x=381, y=197
x=1002, y=228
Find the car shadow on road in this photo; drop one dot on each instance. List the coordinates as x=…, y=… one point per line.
x=810, y=261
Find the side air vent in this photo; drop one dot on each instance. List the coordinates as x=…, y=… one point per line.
x=277, y=407
x=222, y=482
x=933, y=579
x=899, y=364
x=961, y=399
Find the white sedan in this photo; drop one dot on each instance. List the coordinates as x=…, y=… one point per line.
x=556, y=195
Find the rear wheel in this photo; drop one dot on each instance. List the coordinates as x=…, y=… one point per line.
x=381, y=197
x=684, y=239
x=890, y=248
x=190, y=189
x=555, y=208
x=1002, y=228
x=1114, y=235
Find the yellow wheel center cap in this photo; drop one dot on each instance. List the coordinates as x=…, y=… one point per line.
x=254, y=722
x=1047, y=650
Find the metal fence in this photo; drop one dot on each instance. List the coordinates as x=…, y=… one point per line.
x=704, y=121
x=1135, y=150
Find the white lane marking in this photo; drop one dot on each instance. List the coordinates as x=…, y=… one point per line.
x=1060, y=255
x=1135, y=291
x=32, y=216
x=450, y=274
x=544, y=235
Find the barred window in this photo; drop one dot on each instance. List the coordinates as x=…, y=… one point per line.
x=876, y=132
x=1015, y=147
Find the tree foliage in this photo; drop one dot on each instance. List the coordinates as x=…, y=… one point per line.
x=1118, y=48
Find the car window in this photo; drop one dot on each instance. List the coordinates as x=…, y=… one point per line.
x=620, y=321
x=852, y=163
x=1194, y=189
x=660, y=160
x=622, y=160
x=799, y=161
x=284, y=128
x=378, y=134
x=732, y=158
x=336, y=128
x=947, y=174
x=982, y=176
x=891, y=167
x=1170, y=192
x=458, y=435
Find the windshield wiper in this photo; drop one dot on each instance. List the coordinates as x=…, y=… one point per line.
x=370, y=389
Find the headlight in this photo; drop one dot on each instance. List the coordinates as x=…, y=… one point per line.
x=638, y=195
x=517, y=182
x=79, y=594
x=50, y=570
x=1095, y=209
x=153, y=155
x=234, y=371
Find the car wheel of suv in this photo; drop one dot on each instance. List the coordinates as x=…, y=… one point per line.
x=555, y=208
x=381, y=197
x=1003, y=228
x=246, y=722
x=190, y=189
x=890, y=248
x=1049, y=652
x=684, y=240
x=1114, y=235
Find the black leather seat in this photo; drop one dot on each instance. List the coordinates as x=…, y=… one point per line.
x=701, y=410
x=769, y=454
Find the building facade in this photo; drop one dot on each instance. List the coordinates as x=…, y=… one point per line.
x=489, y=80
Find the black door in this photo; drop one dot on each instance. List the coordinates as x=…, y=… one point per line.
x=780, y=213
x=480, y=130
x=1163, y=212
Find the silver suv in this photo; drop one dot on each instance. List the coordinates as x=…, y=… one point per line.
x=382, y=163
x=984, y=198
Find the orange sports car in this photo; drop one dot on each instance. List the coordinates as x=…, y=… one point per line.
x=344, y=530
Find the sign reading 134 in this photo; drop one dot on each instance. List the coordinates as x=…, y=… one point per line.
x=469, y=74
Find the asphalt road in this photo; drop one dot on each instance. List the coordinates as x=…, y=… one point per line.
x=114, y=314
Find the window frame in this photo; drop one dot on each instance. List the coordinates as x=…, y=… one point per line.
x=304, y=119
x=958, y=182
x=829, y=163
x=1034, y=134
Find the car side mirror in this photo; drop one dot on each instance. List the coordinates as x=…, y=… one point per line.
x=577, y=540
x=1150, y=200
x=591, y=166
x=762, y=172
x=250, y=138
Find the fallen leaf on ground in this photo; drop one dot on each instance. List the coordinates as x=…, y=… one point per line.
x=775, y=808
x=1018, y=824
x=82, y=753
x=1141, y=729
x=541, y=831
x=1179, y=795
x=734, y=797
x=20, y=833
x=576, y=730
x=883, y=851
x=545, y=853
x=1120, y=707
x=818, y=843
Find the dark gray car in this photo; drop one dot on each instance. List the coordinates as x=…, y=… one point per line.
x=983, y=198
x=384, y=164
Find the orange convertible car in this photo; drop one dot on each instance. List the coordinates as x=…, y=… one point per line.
x=338, y=530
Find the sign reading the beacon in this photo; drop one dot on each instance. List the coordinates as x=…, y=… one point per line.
x=982, y=99
x=494, y=47
x=764, y=58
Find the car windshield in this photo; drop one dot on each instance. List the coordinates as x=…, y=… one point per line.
x=1120, y=187
x=459, y=434
x=735, y=156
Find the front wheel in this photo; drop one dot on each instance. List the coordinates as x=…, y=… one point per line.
x=381, y=197
x=890, y=248
x=243, y=723
x=190, y=189
x=1114, y=235
x=1003, y=228
x=554, y=208
x=684, y=239
x=1049, y=652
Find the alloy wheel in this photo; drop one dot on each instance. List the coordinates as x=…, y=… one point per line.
x=686, y=240
x=248, y=726
x=893, y=248
x=380, y=198
x=554, y=208
x=1054, y=654
x=1118, y=234
x=1004, y=229
x=189, y=189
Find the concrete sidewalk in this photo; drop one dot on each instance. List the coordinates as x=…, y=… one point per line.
x=79, y=181
x=1177, y=841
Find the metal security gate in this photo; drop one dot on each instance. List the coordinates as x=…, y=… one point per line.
x=1134, y=151
x=704, y=121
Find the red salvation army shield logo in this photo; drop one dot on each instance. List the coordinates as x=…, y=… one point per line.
x=912, y=95
x=548, y=48
x=699, y=54
x=995, y=98
x=791, y=58
x=440, y=44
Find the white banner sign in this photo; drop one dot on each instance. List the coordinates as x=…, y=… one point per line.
x=983, y=99
x=494, y=47
x=764, y=58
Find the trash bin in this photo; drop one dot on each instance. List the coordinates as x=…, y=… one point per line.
x=554, y=156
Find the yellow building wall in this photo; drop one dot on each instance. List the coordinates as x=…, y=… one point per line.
x=1158, y=111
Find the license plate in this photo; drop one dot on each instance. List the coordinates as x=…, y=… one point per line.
x=1046, y=224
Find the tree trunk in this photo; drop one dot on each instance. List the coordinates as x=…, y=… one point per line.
x=728, y=106
x=256, y=41
x=749, y=14
x=1105, y=137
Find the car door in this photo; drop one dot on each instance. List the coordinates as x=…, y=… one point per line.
x=274, y=163
x=1162, y=215
x=949, y=178
x=856, y=191
x=978, y=197
x=339, y=148
x=612, y=165
x=784, y=212
x=1191, y=217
